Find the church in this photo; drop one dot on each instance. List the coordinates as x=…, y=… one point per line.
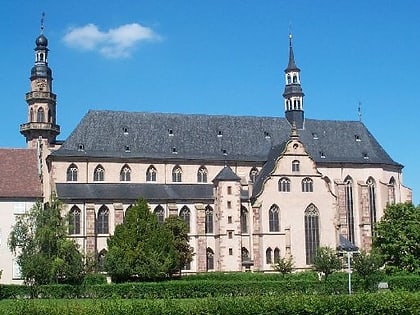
x=251, y=190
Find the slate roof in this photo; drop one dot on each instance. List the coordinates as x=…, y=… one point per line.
x=19, y=174
x=128, y=191
x=226, y=174
x=117, y=134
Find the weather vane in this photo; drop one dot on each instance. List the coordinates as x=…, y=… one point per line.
x=359, y=111
x=42, y=22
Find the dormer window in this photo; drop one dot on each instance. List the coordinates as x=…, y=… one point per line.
x=220, y=134
x=174, y=150
x=81, y=147
x=322, y=154
x=315, y=136
x=125, y=130
x=365, y=156
x=224, y=151
x=267, y=135
x=127, y=148
x=357, y=138
x=170, y=132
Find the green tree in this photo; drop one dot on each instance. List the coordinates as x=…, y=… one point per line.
x=366, y=265
x=141, y=248
x=179, y=230
x=44, y=253
x=326, y=261
x=397, y=237
x=284, y=265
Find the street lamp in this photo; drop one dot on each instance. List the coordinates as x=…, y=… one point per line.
x=348, y=248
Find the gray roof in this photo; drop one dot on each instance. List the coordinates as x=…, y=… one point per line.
x=127, y=191
x=226, y=174
x=137, y=135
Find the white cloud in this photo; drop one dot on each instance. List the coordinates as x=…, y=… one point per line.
x=115, y=43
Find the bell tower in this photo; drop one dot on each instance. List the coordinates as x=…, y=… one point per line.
x=293, y=94
x=41, y=122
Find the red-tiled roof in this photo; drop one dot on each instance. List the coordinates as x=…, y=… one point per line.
x=19, y=173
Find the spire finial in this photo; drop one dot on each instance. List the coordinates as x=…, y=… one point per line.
x=42, y=22
x=359, y=111
x=290, y=39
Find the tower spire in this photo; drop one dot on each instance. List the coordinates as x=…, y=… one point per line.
x=293, y=94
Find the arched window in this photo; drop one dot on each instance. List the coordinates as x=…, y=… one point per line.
x=307, y=185
x=49, y=116
x=101, y=260
x=210, y=259
x=74, y=220
x=311, y=233
x=202, y=175
x=72, y=173
x=177, y=174
x=295, y=78
x=31, y=115
x=244, y=220
x=245, y=254
x=40, y=115
x=284, y=184
x=160, y=213
x=273, y=219
x=99, y=174
x=289, y=78
x=295, y=166
x=185, y=215
x=102, y=222
x=209, y=220
x=253, y=175
x=391, y=191
x=348, y=194
x=151, y=174
x=269, y=256
x=276, y=255
x=125, y=174
x=372, y=202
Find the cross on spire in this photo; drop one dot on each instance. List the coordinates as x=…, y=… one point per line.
x=42, y=22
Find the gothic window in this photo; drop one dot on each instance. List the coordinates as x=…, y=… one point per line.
x=245, y=254
x=273, y=219
x=40, y=115
x=49, y=116
x=151, y=174
x=74, y=220
x=391, y=194
x=31, y=115
x=289, y=79
x=348, y=194
x=209, y=220
x=99, y=174
x=311, y=233
x=72, y=173
x=295, y=166
x=276, y=255
x=185, y=215
x=102, y=222
x=244, y=220
x=202, y=175
x=210, y=259
x=269, y=256
x=372, y=201
x=101, y=260
x=125, y=174
x=284, y=184
x=307, y=185
x=160, y=213
x=177, y=174
x=253, y=175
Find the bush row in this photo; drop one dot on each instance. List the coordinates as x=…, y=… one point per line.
x=367, y=303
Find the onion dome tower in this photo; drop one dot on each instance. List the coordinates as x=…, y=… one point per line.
x=293, y=95
x=41, y=123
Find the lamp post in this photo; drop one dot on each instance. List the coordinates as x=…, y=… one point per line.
x=349, y=254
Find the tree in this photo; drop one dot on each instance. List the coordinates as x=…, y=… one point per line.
x=141, y=248
x=326, y=261
x=367, y=265
x=179, y=230
x=284, y=265
x=44, y=253
x=397, y=237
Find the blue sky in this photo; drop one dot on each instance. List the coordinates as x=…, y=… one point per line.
x=221, y=57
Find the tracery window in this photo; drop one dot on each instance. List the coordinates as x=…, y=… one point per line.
x=185, y=215
x=244, y=220
x=307, y=185
x=99, y=174
x=311, y=233
x=284, y=184
x=160, y=213
x=101, y=260
x=391, y=193
x=210, y=259
x=269, y=256
x=295, y=166
x=102, y=221
x=177, y=174
x=151, y=174
x=74, y=220
x=348, y=189
x=40, y=115
x=372, y=202
x=209, y=220
x=273, y=219
x=202, y=175
x=125, y=174
x=276, y=255
x=72, y=173
x=245, y=254
x=253, y=174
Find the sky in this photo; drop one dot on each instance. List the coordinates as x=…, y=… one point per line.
x=222, y=57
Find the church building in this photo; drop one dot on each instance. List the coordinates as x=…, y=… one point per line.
x=251, y=189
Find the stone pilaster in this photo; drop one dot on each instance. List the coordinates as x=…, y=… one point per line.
x=288, y=242
x=118, y=213
x=342, y=209
x=256, y=239
x=201, y=242
x=90, y=229
x=365, y=220
x=173, y=209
